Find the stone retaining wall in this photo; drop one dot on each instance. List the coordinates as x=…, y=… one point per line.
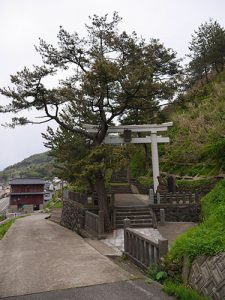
x=207, y=275
x=178, y=212
x=73, y=214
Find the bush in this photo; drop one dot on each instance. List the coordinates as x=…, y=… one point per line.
x=208, y=238
x=192, y=184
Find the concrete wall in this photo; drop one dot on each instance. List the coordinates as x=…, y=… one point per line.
x=207, y=275
x=178, y=212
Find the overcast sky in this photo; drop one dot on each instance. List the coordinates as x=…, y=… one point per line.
x=22, y=22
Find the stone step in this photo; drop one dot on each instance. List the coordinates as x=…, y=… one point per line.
x=133, y=207
x=133, y=217
x=130, y=212
x=136, y=210
x=137, y=225
x=121, y=191
x=138, y=220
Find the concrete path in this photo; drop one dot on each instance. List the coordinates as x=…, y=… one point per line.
x=171, y=230
x=131, y=199
x=123, y=290
x=37, y=255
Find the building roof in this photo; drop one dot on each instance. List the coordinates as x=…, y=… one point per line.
x=23, y=181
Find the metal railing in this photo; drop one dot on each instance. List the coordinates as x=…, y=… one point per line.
x=141, y=249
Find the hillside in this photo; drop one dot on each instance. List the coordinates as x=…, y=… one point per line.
x=37, y=165
x=198, y=136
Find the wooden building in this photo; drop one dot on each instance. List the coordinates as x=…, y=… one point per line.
x=26, y=194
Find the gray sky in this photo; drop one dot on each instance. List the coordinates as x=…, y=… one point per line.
x=22, y=22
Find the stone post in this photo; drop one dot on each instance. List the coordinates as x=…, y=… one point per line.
x=100, y=223
x=126, y=224
x=158, y=198
x=163, y=247
x=162, y=216
x=151, y=196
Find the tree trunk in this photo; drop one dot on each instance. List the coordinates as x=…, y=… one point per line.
x=102, y=199
x=147, y=157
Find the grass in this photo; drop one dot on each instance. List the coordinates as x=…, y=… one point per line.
x=2, y=218
x=208, y=238
x=181, y=292
x=192, y=184
x=173, y=286
x=5, y=227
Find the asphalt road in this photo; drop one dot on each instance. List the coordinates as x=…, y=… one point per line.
x=123, y=290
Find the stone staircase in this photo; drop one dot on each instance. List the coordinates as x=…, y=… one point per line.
x=140, y=216
x=56, y=215
x=121, y=189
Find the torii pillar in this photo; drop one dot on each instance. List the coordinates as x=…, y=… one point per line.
x=155, y=159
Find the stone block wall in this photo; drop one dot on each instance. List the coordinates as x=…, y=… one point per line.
x=207, y=275
x=73, y=215
x=178, y=212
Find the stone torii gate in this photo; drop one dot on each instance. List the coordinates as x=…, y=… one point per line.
x=126, y=130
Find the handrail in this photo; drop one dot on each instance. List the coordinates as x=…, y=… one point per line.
x=94, y=223
x=141, y=249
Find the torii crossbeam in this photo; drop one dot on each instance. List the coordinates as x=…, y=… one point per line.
x=153, y=139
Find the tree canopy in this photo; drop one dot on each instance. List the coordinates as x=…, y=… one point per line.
x=207, y=50
x=111, y=75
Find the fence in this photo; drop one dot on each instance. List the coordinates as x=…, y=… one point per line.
x=94, y=223
x=174, y=198
x=78, y=197
x=141, y=249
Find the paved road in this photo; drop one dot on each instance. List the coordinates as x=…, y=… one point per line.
x=4, y=203
x=123, y=290
x=40, y=260
x=37, y=255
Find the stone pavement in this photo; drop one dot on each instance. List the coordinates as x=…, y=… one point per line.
x=131, y=199
x=42, y=260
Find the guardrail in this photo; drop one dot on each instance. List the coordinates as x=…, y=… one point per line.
x=141, y=249
x=94, y=223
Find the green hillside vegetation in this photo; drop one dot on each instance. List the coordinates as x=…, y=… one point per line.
x=208, y=237
x=197, y=138
x=38, y=165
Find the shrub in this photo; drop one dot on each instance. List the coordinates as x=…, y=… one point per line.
x=208, y=238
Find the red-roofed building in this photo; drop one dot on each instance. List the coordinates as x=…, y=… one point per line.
x=26, y=194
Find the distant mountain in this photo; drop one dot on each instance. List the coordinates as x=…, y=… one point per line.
x=37, y=165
